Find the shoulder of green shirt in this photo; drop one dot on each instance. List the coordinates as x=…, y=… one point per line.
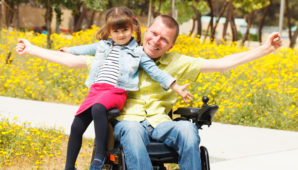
x=89, y=60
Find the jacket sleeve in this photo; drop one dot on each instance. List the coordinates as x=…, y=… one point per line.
x=89, y=49
x=164, y=79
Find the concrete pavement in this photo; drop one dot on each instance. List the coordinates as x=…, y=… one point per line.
x=230, y=147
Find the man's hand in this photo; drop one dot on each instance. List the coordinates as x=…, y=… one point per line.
x=273, y=42
x=181, y=90
x=23, y=47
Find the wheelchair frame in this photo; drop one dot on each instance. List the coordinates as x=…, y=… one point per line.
x=159, y=153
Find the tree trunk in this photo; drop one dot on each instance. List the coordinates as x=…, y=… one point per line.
x=17, y=17
x=199, y=23
x=193, y=26
x=79, y=23
x=48, y=20
x=90, y=20
x=233, y=26
x=0, y=15
x=173, y=11
x=218, y=18
x=9, y=14
x=263, y=21
x=249, y=21
x=294, y=37
x=228, y=18
x=211, y=19
x=149, y=13
x=157, y=12
x=288, y=13
x=206, y=34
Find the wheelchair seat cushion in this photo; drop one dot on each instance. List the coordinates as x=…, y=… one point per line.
x=160, y=152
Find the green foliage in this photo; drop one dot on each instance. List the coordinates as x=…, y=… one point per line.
x=247, y=6
x=97, y=5
x=185, y=9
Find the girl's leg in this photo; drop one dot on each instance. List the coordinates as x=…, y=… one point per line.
x=78, y=127
x=99, y=114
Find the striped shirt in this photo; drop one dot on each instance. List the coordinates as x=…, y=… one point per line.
x=109, y=72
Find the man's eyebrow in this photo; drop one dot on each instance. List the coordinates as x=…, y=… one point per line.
x=165, y=38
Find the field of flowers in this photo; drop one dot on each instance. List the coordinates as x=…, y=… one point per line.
x=262, y=93
x=25, y=147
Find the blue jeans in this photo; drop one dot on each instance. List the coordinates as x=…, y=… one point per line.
x=181, y=135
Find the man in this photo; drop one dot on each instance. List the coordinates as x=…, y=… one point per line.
x=145, y=112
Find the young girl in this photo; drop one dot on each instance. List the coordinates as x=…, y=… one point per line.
x=113, y=72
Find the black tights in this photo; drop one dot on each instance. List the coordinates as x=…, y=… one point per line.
x=98, y=113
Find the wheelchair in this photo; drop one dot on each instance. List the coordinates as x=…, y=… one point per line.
x=159, y=153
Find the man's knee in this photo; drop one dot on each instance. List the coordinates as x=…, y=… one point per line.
x=131, y=131
x=188, y=131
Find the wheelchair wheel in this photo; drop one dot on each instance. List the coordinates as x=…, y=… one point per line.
x=204, y=158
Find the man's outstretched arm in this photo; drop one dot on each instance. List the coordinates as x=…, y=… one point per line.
x=228, y=62
x=73, y=61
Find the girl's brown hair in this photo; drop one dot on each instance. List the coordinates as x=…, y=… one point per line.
x=119, y=17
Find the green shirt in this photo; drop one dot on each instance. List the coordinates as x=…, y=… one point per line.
x=151, y=102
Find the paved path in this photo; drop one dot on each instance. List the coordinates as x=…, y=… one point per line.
x=230, y=147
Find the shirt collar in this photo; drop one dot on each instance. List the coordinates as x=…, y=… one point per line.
x=131, y=45
x=165, y=59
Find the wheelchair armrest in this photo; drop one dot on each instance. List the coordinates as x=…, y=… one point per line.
x=187, y=112
x=201, y=116
x=114, y=112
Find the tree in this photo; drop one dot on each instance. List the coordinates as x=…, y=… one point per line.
x=248, y=7
x=197, y=7
x=49, y=6
x=261, y=24
x=230, y=19
x=81, y=7
x=12, y=11
x=291, y=7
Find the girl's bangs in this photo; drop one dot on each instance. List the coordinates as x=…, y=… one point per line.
x=119, y=22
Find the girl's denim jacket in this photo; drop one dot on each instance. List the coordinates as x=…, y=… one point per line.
x=131, y=57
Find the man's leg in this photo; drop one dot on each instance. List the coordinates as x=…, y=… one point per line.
x=133, y=138
x=184, y=138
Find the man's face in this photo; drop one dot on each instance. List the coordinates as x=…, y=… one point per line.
x=158, y=39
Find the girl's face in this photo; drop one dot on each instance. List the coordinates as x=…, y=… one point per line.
x=121, y=36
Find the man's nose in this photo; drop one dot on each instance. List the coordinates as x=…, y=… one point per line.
x=156, y=40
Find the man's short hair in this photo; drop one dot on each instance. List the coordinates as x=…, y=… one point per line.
x=170, y=22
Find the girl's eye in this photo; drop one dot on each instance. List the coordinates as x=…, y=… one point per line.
x=115, y=30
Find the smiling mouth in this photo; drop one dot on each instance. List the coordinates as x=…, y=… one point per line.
x=152, y=47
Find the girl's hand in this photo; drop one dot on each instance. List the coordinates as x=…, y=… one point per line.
x=23, y=47
x=181, y=90
x=63, y=49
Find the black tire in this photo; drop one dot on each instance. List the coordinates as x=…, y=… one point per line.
x=204, y=158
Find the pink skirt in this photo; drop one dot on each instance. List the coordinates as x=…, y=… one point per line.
x=105, y=94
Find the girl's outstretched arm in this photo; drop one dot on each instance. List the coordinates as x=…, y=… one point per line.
x=73, y=61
